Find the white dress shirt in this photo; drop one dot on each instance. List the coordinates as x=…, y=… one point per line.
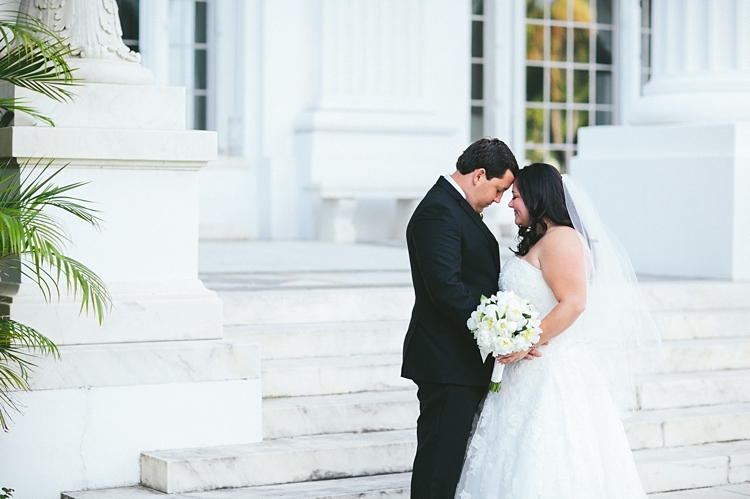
x=455, y=184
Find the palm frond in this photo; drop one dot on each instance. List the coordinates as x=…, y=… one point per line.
x=38, y=240
x=12, y=105
x=33, y=56
x=19, y=345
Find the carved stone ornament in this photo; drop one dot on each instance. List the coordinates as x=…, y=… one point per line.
x=92, y=29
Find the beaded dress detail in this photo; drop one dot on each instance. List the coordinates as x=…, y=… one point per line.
x=552, y=432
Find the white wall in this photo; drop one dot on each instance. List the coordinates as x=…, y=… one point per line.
x=313, y=94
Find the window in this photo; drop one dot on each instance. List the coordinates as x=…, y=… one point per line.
x=189, y=57
x=129, y=22
x=478, y=68
x=569, y=74
x=645, y=41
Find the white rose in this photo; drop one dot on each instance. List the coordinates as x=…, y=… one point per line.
x=502, y=329
x=516, y=315
x=531, y=336
x=484, y=339
x=502, y=345
x=492, y=310
x=485, y=324
x=520, y=343
x=474, y=320
x=534, y=324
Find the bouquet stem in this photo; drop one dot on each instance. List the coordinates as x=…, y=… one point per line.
x=497, y=377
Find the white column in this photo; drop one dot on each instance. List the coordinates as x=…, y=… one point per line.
x=371, y=54
x=153, y=28
x=389, y=111
x=700, y=62
x=133, y=382
x=672, y=184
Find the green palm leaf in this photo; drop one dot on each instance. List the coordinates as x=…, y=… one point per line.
x=32, y=56
x=33, y=242
x=12, y=105
x=19, y=346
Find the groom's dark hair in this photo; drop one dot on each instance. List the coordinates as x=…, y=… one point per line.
x=491, y=154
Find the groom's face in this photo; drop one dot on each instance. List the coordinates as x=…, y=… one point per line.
x=485, y=192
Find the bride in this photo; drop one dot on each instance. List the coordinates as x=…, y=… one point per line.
x=554, y=431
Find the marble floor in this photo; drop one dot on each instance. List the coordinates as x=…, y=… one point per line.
x=255, y=265
x=723, y=492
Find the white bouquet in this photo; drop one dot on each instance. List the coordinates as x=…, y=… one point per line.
x=503, y=324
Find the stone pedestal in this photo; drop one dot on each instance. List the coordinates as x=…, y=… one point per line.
x=674, y=195
x=157, y=374
x=671, y=183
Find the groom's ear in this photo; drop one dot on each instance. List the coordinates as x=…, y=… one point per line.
x=478, y=174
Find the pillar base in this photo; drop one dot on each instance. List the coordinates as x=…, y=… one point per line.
x=674, y=195
x=691, y=107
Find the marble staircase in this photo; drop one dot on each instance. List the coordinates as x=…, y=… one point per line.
x=338, y=421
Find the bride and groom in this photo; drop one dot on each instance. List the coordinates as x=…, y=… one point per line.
x=553, y=430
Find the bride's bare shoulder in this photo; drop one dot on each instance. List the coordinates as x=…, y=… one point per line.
x=561, y=234
x=561, y=240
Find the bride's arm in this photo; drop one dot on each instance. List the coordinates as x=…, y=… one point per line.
x=563, y=269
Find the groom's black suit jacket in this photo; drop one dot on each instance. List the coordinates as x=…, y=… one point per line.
x=455, y=260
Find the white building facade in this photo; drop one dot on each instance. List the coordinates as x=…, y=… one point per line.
x=334, y=116
x=331, y=118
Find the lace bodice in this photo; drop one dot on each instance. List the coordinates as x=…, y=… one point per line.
x=526, y=281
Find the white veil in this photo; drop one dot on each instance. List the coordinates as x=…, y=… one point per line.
x=616, y=324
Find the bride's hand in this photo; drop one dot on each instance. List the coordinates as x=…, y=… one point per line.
x=515, y=357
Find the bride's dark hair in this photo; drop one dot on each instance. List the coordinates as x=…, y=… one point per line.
x=541, y=188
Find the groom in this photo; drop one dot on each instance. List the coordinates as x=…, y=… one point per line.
x=455, y=260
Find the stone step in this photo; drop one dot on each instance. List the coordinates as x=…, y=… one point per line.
x=356, y=373
x=671, y=390
x=725, y=301
x=737, y=491
x=351, y=412
x=392, y=486
x=375, y=303
x=298, y=459
x=399, y=409
x=147, y=363
x=695, y=324
x=330, y=375
x=304, y=459
x=690, y=467
x=395, y=485
x=298, y=306
x=679, y=294
x=117, y=493
x=706, y=355
x=377, y=411
x=688, y=426
x=279, y=341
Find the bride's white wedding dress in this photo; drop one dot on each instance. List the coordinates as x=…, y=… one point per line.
x=552, y=432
